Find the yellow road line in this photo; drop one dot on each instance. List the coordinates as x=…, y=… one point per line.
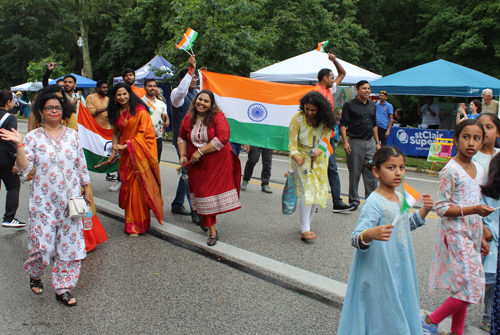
x=431, y=215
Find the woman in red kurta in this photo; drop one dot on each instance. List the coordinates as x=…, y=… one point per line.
x=215, y=171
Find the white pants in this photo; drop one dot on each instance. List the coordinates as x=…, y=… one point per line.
x=306, y=215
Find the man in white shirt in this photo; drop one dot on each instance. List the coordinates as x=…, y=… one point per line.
x=430, y=112
x=181, y=98
x=158, y=112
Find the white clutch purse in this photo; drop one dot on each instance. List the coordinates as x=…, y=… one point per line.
x=77, y=207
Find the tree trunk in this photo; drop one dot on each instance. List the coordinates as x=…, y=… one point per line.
x=87, y=65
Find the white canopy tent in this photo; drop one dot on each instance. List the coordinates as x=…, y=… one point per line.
x=29, y=86
x=303, y=69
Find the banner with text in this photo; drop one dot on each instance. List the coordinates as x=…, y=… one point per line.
x=417, y=142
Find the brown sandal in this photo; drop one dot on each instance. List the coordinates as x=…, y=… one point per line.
x=307, y=236
x=212, y=239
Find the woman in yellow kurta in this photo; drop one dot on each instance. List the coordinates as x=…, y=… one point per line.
x=134, y=137
x=310, y=164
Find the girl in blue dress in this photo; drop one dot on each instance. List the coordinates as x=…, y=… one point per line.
x=382, y=291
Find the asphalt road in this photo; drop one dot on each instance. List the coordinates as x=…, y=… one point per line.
x=149, y=285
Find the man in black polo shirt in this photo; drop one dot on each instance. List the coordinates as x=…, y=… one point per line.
x=360, y=118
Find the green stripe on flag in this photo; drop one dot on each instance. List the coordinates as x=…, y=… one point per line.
x=259, y=135
x=93, y=159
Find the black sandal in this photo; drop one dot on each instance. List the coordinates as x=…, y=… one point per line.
x=36, y=284
x=65, y=298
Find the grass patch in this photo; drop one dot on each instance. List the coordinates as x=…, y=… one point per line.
x=419, y=163
x=22, y=117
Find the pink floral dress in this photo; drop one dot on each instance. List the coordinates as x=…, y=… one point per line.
x=52, y=232
x=456, y=264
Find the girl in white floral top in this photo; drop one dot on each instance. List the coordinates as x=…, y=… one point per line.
x=456, y=264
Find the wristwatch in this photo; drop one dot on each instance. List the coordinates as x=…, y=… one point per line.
x=379, y=142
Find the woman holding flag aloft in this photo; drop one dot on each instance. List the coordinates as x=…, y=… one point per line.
x=309, y=145
x=382, y=291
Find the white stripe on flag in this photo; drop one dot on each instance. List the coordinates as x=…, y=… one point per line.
x=410, y=200
x=91, y=141
x=238, y=110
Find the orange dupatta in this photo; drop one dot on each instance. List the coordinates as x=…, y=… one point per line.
x=140, y=172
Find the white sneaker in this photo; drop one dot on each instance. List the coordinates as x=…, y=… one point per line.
x=116, y=186
x=15, y=223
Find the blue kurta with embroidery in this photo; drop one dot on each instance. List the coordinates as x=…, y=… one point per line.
x=382, y=291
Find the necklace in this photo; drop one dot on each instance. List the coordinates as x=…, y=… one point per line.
x=123, y=112
x=52, y=130
x=201, y=118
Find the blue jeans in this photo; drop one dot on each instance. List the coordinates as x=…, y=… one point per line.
x=236, y=148
x=182, y=190
x=333, y=176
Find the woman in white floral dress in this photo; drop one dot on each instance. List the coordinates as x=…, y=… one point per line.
x=60, y=172
x=307, y=128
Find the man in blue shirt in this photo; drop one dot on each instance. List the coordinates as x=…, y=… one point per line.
x=384, y=117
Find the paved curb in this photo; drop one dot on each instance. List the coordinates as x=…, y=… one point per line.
x=295, y=278
x=291, y=275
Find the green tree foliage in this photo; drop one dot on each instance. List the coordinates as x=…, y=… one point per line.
x=241, y=36
x=463, y=32
x=230, y=38
x=26, y=35
x=36, y=70
x=130, y=38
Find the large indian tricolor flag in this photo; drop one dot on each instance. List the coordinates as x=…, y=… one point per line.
x=258, y=112
x=94, y=138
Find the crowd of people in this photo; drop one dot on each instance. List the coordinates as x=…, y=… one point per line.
x=383, y=271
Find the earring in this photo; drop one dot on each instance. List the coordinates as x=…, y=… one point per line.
x=43, y=122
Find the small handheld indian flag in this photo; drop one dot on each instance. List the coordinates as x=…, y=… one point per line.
x=187, y=41
x=325, y=146
x=322, y=46
x=410, y=196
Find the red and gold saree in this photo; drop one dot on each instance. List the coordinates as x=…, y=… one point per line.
x=139, y=171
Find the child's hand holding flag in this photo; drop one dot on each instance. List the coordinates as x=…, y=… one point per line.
x=410, y=198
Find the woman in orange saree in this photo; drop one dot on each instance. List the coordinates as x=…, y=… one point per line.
x=134, y=140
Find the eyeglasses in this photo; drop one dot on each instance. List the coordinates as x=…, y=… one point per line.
x=51, y=108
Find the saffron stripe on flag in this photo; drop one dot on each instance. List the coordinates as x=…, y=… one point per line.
x=254, y=90
x=411, y=194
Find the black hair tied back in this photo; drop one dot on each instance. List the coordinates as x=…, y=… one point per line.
x=382, y=155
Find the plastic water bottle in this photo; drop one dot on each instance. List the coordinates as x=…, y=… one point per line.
x=87, y=221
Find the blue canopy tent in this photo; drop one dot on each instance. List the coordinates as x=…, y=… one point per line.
x=147, y=71
x=81, y=82
x=438, y=78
